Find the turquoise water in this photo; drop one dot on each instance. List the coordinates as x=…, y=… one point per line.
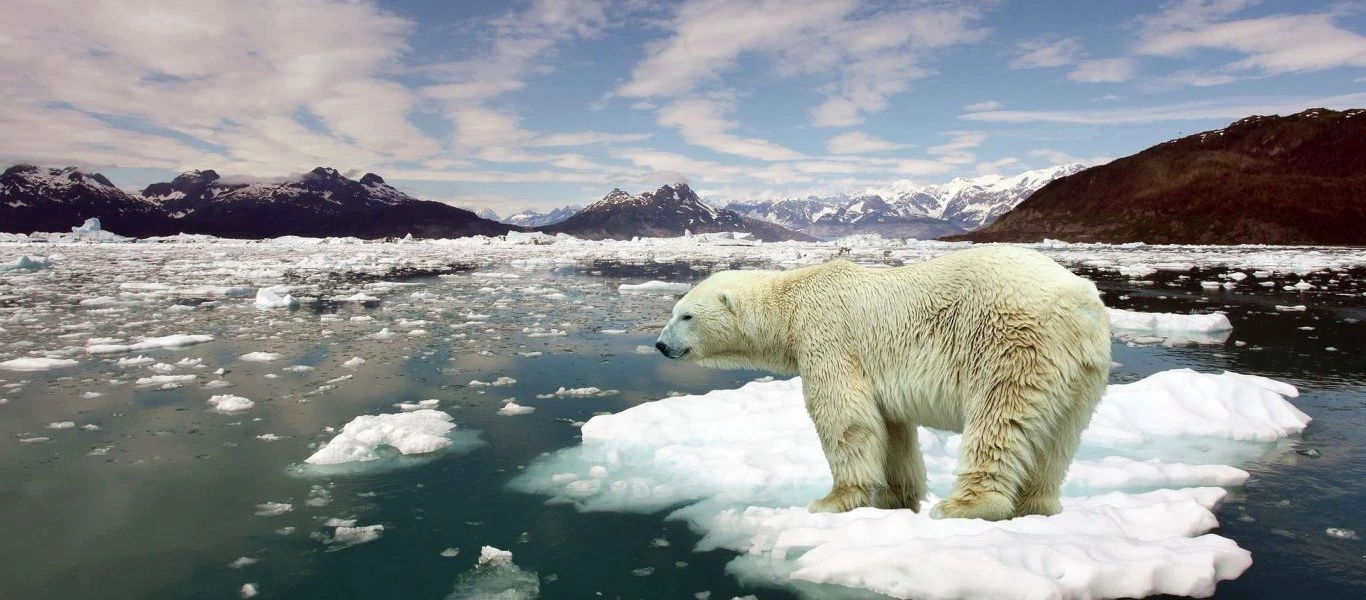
x=162, y=498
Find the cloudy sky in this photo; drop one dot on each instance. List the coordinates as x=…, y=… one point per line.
x=541, y=103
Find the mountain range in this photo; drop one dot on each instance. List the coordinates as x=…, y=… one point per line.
x=905, y=210
x=1296, y=179
x=670, y=211
x=531, y=218
x=319, y=203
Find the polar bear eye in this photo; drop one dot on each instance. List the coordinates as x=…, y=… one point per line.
x=687, y=317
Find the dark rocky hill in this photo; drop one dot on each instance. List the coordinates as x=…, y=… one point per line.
x=320, y=203
x=1298, y=179
x=42, y=199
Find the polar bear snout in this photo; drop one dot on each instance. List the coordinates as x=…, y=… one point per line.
x=670, y=351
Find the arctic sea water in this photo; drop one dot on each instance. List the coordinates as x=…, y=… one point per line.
x=137, y=464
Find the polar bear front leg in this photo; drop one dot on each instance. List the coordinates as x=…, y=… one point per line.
x=854, y=438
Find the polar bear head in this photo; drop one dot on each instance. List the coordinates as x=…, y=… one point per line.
x=721, y=323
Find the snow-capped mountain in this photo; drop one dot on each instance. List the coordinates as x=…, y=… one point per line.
x=531, y=218
x=42, y=199
x=487, y=213
x=666, y=212
x=319, y=203
x=903, y=209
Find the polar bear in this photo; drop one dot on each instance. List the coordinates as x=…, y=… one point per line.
x=997, y=342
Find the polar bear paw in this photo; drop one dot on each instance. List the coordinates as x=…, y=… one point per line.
x=843, y=498
x=991, y=506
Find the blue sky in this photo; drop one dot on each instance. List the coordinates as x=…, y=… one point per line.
x=514, y=105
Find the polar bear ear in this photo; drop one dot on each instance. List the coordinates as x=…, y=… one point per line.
x=730, y=300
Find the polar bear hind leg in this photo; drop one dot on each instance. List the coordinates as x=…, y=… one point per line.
x=1041, y=492
x=997, y=453
x=904, y=466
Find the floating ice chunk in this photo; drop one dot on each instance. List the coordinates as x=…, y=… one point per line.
x=416, y=432
x=345, y=537
x=359, y=297
x=260, y=356
x=136, y=361
x=268, y=437
x=1295, y=308
x=190, y=362
x=1128, y=320
x=354, y=363
x=1172, y=329
x=275, y=297
x=613, y=331
x=36, y=439
x=409, y=406
x=217, y=384
x=244, y=561
x=61, y=425
x=500, y=382
x=749, y=460
x=1303, y=285
x=227, y=403
x=249, y=590
x=383, y=334
x=297, y=368
x=26, y=263
x=582, y=392
x=450, y=553
x=162, y=368
x=170, y=341
x=513, y=408
x=655, y=287
x=273, y=509
x=1341, y=533
x=496, y=576
x=37, y=364
x=166, y=380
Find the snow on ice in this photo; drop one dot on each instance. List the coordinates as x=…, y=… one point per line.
x=655, y=287
x=227, y=403
x=748, y=461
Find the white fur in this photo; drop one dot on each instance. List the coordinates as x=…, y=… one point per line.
x=998, y=342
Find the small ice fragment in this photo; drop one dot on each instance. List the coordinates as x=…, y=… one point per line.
x=659, y=542
x=354, y=363
x=335, y=522
x=489, y=554
x=351, y=536
x=243, y=562
x=513, y=408
x=450, y=552
x=228, y=403
x=1310, y=452
x=90, y=427
x=297, y=368
x=273, y=509
x=276, y=297
x=1304, y=285
x=33, y=440
x=249, y=590
x=268, y=437
x=1341, y=533
x=61, y=425
x=260, y=356
x=643, y=571
x=1295, y=308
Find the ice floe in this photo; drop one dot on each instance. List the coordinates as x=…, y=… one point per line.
x=1169, y=328
x=227, y=403
x=170, y=341
x=37, y=364
x=413, y=432
x=655, y=287
x=748, y=461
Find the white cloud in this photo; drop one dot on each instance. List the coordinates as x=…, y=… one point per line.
x=708, y=35
x=871, y=54
x=1273, y=45
x=857, y=142
x=702, y=122
x=584, y=138
x=1058, y=157
x=1046, y=52
x=217, y=73
x=987, y=105
x=995, y=167
x=956, y=151
x=1216, y=109
x=1104, y=70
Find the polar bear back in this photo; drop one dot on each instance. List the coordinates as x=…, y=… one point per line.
x=929, y=336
